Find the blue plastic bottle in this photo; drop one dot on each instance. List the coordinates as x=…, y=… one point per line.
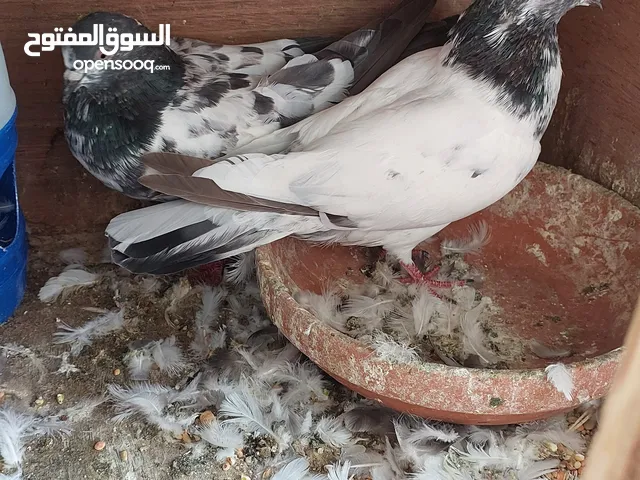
x=13, y=236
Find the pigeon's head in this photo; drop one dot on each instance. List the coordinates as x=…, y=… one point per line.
x=114, y=57
x=544, y=10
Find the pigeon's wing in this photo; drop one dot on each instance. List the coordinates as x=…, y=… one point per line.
x=314, y=82
x=257, y=59
x=367, y=172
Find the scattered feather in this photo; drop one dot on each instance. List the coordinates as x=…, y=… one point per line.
x=168, y=356
x=362, y=306
x=339, y=471
x=227, y=438
x=538, y=470
x=543, y=351
x=427, y=431
x=241, y=408
x=332, y=432
x=241, y=270
x=83, y=336
x=390, y=350
x=424, y=306
x=479, y=236
x=560, y=436
x=474, y=337
x=561, y=378
x=139, y=363
x=153, y=402
x=296, y=469
x=324, y=307
x=205, y=340
x=16, y=428
x=66, y=283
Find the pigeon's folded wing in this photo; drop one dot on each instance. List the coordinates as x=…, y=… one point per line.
x=372, y=169
x=255, y=59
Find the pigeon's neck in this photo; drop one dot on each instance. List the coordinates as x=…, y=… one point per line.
x=519, y=58
x=110, y=120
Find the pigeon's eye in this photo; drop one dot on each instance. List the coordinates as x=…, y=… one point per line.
x=102, y=55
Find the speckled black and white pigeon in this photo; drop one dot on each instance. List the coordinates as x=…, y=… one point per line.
x=441, y=135
x=214, y=98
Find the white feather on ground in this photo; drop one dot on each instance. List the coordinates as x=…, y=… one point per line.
x=241, y=269
x=16, y=428
x=66, y=283
x=479, y=236
x=152, y=402
x=339, y=471
x=204, y=341
x=561, y=378
x=241, y=408
x=265, y=389
x=296, y=469
x=333, y=432
x=423, y=432
x=226, y=438
x=168, y=356
x=139, y=363
x=538, y=470
x=85, y=335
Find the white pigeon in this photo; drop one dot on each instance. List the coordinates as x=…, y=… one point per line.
x=443, y=134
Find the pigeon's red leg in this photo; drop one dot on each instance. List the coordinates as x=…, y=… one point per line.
x=416, y=276
x=210, y=274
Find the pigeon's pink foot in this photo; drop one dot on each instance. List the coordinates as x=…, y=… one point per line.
x=209, y=274
x=416, y=276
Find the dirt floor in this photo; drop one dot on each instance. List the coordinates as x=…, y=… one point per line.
x=35, y=377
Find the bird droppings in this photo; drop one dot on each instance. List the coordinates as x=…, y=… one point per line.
x=142, y=449
x=537, y=252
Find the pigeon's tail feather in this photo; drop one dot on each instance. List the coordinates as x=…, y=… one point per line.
x=172, y=237
x=433, y=34
x=374, y=49
x=313, y=82
x=314, y=44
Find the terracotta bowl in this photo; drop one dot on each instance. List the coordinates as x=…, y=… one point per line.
x=563, y=263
